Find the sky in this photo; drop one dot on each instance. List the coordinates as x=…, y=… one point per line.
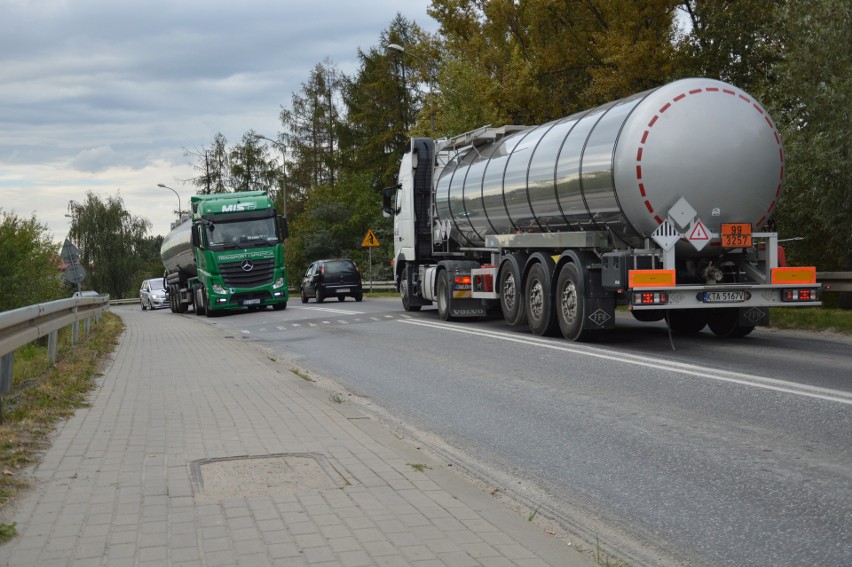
x=107, y=95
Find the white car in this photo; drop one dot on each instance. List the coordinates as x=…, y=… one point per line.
x=153, y=294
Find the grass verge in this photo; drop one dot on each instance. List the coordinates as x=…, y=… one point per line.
x=811, y=319
x=42, y=395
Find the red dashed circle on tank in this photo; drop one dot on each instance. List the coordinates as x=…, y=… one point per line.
x=640, y=183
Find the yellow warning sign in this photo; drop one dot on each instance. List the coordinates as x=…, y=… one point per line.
x=370, y=240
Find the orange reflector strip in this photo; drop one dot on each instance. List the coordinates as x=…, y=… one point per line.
x=651, y=278
x=805, y=275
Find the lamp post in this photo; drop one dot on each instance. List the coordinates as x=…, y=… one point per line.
x=176, y=195
x=280, y=146
x=400, y=49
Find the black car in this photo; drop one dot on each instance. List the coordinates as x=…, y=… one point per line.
x=332, y=278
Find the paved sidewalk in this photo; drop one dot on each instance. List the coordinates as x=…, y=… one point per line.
x=198, y=450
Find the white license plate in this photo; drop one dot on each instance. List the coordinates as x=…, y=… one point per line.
x=343, y=290
x=724, y=296
x=251, y=301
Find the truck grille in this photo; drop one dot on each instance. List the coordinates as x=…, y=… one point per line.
x=234, y=274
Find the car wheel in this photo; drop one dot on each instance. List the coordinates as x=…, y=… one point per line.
x=303, y=296
x=359, y=297
x=341, y=298
x=142, y=302
x=320, y=295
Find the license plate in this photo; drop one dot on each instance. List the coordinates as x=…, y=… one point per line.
x=251, y=301
x=724, y=296
x=343, y=290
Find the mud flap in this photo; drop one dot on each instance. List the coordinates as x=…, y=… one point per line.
x=600, y=303
x=753, y=316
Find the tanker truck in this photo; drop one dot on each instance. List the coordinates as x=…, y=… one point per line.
x=656, y=202
x=226, y=254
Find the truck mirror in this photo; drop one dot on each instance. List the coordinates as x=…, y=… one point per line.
x=387, y=201
x=195, y=239
x=282, y=227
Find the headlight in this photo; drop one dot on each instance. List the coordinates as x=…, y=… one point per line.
x=278, y=283
x=219, y=289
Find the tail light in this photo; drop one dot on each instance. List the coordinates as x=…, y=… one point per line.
x=794, y=295
x=650, y=298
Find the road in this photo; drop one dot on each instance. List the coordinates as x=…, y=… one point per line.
x=669, y=451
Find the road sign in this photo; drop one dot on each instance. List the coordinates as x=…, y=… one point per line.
x=370, y=240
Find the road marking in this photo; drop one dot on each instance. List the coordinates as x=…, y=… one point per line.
x=671, y=366
x=281, y=328
x=332, y=310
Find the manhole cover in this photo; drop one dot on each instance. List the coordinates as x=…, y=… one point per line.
x=266, y=475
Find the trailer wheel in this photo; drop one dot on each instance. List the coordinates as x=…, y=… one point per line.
x=570, y=303
x=539, y=301
x=443, y=295
x=649, y=316
x=406, y=298
x=686, y=321
x=511, y=296
x=725, y=323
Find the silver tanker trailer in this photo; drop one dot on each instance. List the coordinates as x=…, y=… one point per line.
x=656, y=201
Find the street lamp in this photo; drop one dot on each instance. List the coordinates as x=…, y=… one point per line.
x=281, y=147
x=400, y=49
x=176, y=195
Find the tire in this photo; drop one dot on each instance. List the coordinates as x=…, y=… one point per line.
x=511, y=296
x=200, y=303
x=443, y=296
x=570, y=303
x=686, y=321
x=142, y=302
x=341, y=298
x=358, y=296
x=724, y=323
x=320, y=295
x=303, y=296
x=403, y=293
x=279, y=306
x=539, y=301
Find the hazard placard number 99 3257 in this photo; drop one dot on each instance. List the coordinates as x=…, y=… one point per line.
x=736, y=235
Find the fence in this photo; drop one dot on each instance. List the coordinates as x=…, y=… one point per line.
x=19, y=327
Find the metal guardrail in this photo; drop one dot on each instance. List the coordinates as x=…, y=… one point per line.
x=836, y=281
x=22, y=326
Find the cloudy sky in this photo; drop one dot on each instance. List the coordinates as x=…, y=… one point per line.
x=104, y=95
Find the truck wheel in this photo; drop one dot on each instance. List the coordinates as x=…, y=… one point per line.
x=649, y=316
x=279, y=306
x=511, y=296
x=686, y=321
x=406, y=299
x=539, y=301
x=443, y=296
x=200, y=304
x=570, y=303
x=725, y=323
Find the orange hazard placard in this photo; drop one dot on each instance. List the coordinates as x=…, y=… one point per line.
x=736, y=235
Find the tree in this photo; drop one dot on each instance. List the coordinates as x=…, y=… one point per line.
x=112, y=243
x=29, y=269
x=251, y=167
x=311, y=130
x=214, y=167
x=811, y=102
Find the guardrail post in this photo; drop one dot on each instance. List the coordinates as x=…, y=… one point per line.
x=7, y=361
x=52, y=340
x=86, y=325
x=75, y=332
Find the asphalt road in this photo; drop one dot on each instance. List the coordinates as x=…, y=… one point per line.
x=671, y=451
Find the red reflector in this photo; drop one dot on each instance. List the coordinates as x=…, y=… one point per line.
x=463, y=280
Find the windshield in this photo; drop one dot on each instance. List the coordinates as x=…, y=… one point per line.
x=242, y=234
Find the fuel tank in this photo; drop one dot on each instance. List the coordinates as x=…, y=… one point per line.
x=176, y=250
x=621, y=167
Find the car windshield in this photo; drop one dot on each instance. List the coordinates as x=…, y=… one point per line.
x=241, y=234
x=339, y=267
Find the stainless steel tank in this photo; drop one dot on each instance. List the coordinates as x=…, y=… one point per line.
x=176, y=250
x=620, y=167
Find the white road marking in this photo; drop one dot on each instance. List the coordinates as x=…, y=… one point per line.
x=671, y=366
x=332, y=310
